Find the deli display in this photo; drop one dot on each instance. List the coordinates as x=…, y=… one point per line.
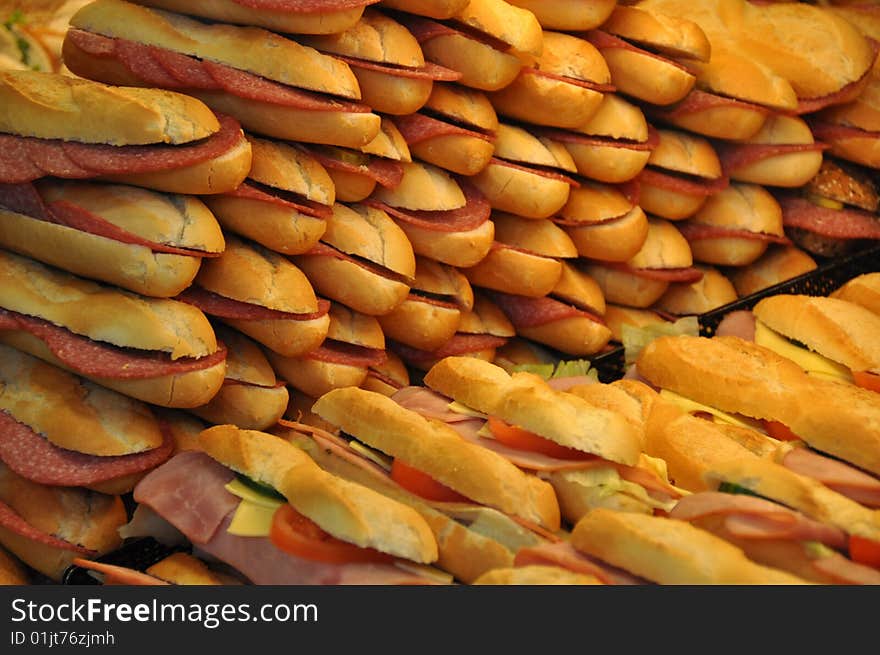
x=439, y=292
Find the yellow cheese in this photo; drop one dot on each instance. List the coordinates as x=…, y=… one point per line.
x=693, y=407
x=252, y=519
x=464, y=410
x=240, y=489
x=821, y=201
x=810, y=361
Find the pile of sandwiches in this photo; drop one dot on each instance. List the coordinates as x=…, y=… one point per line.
x=234, y=234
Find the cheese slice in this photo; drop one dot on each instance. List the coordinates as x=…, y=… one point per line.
x=810, y=361
x=253, y=516
x=693, y=407
x=464, y=410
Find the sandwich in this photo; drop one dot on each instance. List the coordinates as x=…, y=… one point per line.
x=157, y=350
x=535, y=574
x=147, y=242
x=178, y=568
x=431, y=313
x=445, y=219
x=12, y=571
x=862, y=290
x=56, y=125
x=525, y=259
x=664, y=257
x=562, y=88
x=669, y=551
x=435, y=462
x=363, y=260
x=682, y=172
x=264, y=508
x=273, y=85
x=835, y=212
x=454, y=130
x=487, y=41
x=639, y=46
x=569, y=15
x=250, y=396
x=783, y=153
x=603, y=221
x=613, y=146
x=314, y=17
x=712, y=291
x=47, y=527
x=527, y=175
x=388, y=377
x=356, y=172
x=851, y=130
x=778, y=264
x=21, y=47
x=93, y=437
x=284, y=201
x=431, y=8
x=735, y=226
x=386, y=60
x=354, y=343
x=481, y=330
x=261, y=294
x=754, y=381
x=579, y=441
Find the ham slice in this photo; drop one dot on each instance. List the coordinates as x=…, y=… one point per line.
x=798, y=212
x=475, y=212
x=429, y=404
x=700, y=232
x=34, y=457
x=99, y=359
x=564, y=555
x=843, y=571
x=737, y=324
x=749, y=517
x=836, y=475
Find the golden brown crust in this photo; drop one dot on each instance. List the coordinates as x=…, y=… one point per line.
x=670, y=35
x=245, y=405
x=11, y=570
x=778, y=264
x=460, y=249
x=568, y=15
x=863, y=290
x=282, y=166
x=481, y=66
x=657, y=81
x=421, y=325
x=535, y=575
x=710, y=292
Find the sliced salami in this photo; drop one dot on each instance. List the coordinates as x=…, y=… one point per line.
x=686, y=275
x=24, y=199
x=103, y=360
x=251, y=190
x=536, y=170
x=428, y=300
x=605, y=41
x=459, y=344
x=475, y=212
x=223, y=307
x=586, y=84
x=417, y=128
x=564, y=136
x=735, y=156
x=424, y=29
x=385, y=172
x=323, y=250
x=844, y=94
x=347, y=354
x=526, y=312
x=34, y=457
x=14, y=522
x=691, y=186
x=16, y=163
x=699, y=232
x=799, y=212
x=429, y=71
x=697, y=101
x=831, y=132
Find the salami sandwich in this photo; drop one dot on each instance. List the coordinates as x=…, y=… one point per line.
x=294, y=16
x=264, y=508
x=263, y=295
x=274, y=86
x=141, y=240
x=569, y=15
x=157, y=350
x=57, y=125
x=862, y=290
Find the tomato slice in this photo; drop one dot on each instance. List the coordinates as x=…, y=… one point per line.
x=521, y=439
x=299, y=535
x=866, y=380
x=779, y=431
x=423, y=485
x=864, y=551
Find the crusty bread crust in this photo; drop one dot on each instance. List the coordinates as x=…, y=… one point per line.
x=421, y=325
x=514, y=26
x=535, y=575
x=439, y=451
x=615, y=240
x=568, y=15
x=607, y=163
x=280, y=165
x=579, y=289
x=370, y=233
x=11, y=571
x=481, y=66
x=245, y=405
x=622, y=288
x=577, y=335
x=863, y=290
x=229, y=11
x=346, y=510
x=671, y=35
x=285, y=337
x=779, y=263
x=723, y=122
x=423, y=188
x=710, y=292
x=835, y=328
x=459, y=153
x=521, y=192
x=669, y=551
x=461, y=249
x=51, y=106
x=353, y=285
x=81, y=517
x=315, y=378
x=647, y=78
x=430, y=8
x=516, y=272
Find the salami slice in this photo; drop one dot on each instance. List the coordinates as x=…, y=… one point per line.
x=304, y=6
x=831, y=132
x=415, y=296
x=697, y=101
x=687, y=275
x=251, y=190
x=735, y=156
x=586, y=84
x=605, y=41
x=536, y=170
x=691, y=186
x=223, y=307
x=430, y=71
x=24, y=199
x=103, y=360
x=565, y=136
x=459, y=344
x=844, y=94
x=14, y=522
x=475, y=212
x=417, y=128
x=34, y=457
x=526, y=312
x=347, y=354
x=323, y=250
x=16, y=163
x=699, y=232
x=385, y=172
x=800, y=213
